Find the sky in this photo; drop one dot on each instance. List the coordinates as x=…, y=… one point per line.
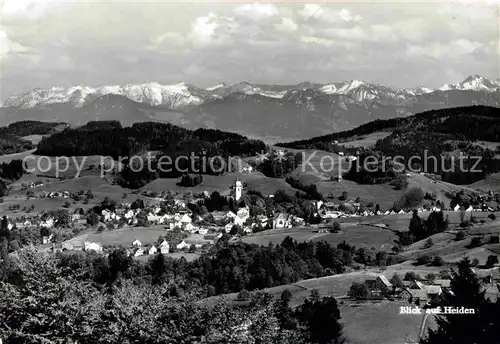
x=49, y=43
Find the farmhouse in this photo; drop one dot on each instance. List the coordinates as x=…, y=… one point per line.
x=137, y=243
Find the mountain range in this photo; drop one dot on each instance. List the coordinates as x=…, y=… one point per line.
x=269, y=112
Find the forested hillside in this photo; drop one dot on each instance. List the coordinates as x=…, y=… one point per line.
x=444, y=134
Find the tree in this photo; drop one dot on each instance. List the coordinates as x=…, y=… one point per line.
x=428, y=243
x=437, y=261
x=3, y=188
x=343, y=196
x=475, y=242
x=481, y=328
x=359, y=291
x=461, y=235
x=423, y=260
x=243, y=295
x=491, y=260
x=335, y=227
x=396, y=281
x=119, y=263
x=416, y=227
x=321, y=318
x=93, y=219
x=158, y=268
x=286, y=295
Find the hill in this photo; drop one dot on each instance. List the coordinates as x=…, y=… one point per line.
x=458, y=144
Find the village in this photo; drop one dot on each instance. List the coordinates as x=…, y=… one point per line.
x=192, y=232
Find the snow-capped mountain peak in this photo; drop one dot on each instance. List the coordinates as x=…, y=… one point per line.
x=173, y=96
x=473, y=83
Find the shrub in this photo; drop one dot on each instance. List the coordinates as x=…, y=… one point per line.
x=465, y=224
x=492, y=217
x=243, y=295
x=335, y=227
x=359, y=291
x=411, y=276
x=428, y=243
x=494, y=239
x=286, y=295
x=437, y=261
x=492, y=260
x=475, y=262
x=475, y=242
x=343, y=197
x=423, y=260
x=460, y=236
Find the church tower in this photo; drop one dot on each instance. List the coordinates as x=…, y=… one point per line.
x=238, y=189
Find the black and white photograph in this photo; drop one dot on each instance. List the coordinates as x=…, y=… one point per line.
x=238, y=172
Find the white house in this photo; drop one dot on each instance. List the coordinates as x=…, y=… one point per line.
x=139, y=252
x=401, y=212
x=203, y=231
x=228, y=227
x=190, y=228
x=137, y=243
x=164, y=247
x=182, y=245
x=185, y=219
x=281, y=220
x=129, y=214
x=153, y=250
x=456, y=208
x=469, y=208
x=230, y=215
x=153, y=218
x=92, y=246
x=49, y=223
x=47, y=239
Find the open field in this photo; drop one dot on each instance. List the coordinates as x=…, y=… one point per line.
x=366, y=141
x=276, y=236
x=255, y=181
x=358, y=235
x=363, y=236
x=35, y=139
x=364, y=323
x=380, y=323
x=123, y=236
x=491, y=182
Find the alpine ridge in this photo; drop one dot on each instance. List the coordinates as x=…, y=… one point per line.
x=182, y=95
x=268, y=112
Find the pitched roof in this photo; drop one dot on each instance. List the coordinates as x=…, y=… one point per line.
x=417, y=293
x=385, y=281
x=445, y=283
x=433, y=289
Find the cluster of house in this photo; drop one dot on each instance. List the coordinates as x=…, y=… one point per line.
x=87, y=246
x=138, y=249
x=412, y=291
x=470, y=208
x=421, y=292
x=54, y=194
